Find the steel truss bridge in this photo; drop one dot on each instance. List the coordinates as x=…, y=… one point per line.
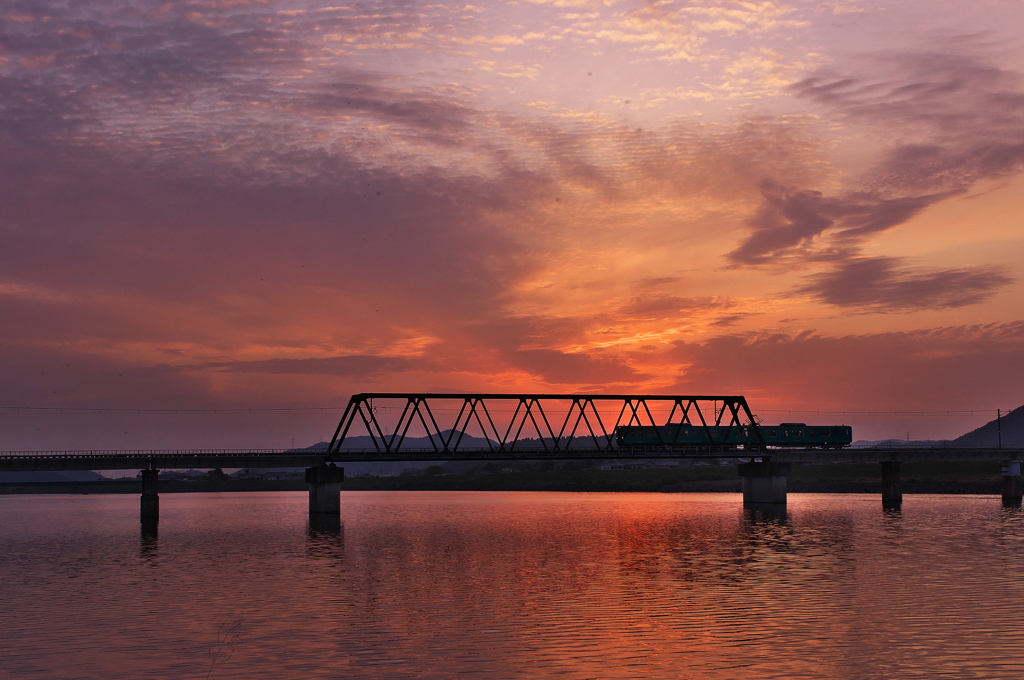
x=403, y=426
x=529, y=424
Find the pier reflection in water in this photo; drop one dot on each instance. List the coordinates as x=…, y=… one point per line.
x=440, y=585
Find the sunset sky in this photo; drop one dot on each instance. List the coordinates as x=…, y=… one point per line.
x=234, y=205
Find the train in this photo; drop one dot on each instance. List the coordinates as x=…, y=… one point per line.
x=684, y=436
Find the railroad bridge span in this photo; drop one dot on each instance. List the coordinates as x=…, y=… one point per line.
x=379, y=427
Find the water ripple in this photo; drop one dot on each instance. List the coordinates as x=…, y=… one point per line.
x=518, y=585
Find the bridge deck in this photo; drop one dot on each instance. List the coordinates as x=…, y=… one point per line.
x=55, y=461
x=159, y=460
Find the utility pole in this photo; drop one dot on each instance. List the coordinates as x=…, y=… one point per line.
x=999, y=426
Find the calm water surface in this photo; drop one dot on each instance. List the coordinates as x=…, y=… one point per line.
x=495, y=585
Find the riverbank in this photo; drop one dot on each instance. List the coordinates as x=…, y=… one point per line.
x=937, y=477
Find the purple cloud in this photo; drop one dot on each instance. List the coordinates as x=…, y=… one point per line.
x=885, y=284
x=967, y=121
x=355, y=366
x=793, y=218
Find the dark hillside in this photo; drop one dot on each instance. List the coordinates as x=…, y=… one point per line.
x=411, y=443
x=1012, y=426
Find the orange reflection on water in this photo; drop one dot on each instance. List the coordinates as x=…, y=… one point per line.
x=466, y=584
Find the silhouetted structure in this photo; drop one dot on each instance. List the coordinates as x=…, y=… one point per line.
x=567, y=427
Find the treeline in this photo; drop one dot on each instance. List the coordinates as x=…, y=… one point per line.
x=935, y=477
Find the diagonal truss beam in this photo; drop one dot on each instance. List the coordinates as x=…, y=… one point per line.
x=514, y=422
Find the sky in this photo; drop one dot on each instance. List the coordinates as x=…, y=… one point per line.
x=219, y=219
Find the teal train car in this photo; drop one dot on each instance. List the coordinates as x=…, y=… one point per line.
x=685, y=436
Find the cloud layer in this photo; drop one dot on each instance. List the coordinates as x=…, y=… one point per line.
x=962, y=120
x=252, y=203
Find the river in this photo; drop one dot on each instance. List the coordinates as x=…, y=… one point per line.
x=510, y=585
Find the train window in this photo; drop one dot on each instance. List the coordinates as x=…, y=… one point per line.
x=825, y=433
x=773, y=433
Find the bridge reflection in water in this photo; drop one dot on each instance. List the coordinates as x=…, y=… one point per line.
x=381, y=427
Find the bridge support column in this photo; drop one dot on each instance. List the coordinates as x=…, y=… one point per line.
x=150, y=510
x=764, y=484
x=324, y=483
x=892, y=485
x=1011, y=484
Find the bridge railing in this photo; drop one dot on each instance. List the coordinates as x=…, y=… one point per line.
x=149, y=452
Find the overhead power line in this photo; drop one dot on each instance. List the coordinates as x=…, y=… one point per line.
x=314, y=410
x=975, y=412
x=62, y=410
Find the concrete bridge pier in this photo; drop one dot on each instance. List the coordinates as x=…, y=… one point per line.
x=892, y=485
x=324, y=483
x=764, y=483
x=150, y=510
x=1011, y=484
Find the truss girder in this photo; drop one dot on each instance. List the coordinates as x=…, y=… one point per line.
x=585, y=421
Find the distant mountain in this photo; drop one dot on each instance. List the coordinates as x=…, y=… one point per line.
x=1012, y=426
x=871, y=443
x=319, y=446
x=410, y=443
